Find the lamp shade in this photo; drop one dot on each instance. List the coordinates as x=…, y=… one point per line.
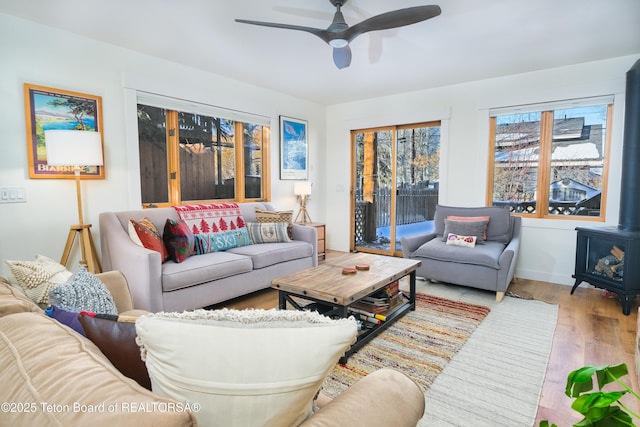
x=73, y=148
x=302, y=188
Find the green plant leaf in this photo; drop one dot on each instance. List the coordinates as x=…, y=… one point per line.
x=580, y=380
x=610, y=374
x=600, y=399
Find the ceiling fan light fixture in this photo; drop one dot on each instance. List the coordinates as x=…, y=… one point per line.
x=339, y=33
x=338, y=43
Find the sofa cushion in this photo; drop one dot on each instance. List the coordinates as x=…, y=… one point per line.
x=83, y=292
x=487, y=255
x=66, y=317
x=268, y=232
x=203, y=268
x=499, y=229
x=52, y=365
x=245, y=367
x=457, y=240
x=116, y=338
x=268, y=254
x=144, y=233
x=178, y=239
x=215, y=227
x=36, y=278
x=472, y=218
x=465, y=228
x=12, y=300
x=285, y=217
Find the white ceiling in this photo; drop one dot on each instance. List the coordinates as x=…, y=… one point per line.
x=470, y=40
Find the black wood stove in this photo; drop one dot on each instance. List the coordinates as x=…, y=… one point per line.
x=609, y=257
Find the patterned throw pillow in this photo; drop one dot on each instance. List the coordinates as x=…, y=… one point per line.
x=83, y=292
x=276, y=216
x=145, y=234
x=268, y=232
x=457, y=240
x=178, y=239
x=36, y=278
x=215, y=227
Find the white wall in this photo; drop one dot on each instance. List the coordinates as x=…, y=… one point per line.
x=36, y=54
x=548, y=246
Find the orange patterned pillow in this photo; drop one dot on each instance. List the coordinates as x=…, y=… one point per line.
x=144, y=233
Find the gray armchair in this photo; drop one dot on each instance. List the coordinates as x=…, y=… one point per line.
x=489, y=265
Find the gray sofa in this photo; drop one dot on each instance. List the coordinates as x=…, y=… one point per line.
x=200, y=280
x=490, y=266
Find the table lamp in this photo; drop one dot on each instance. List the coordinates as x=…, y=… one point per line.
x=77, y=149
x=302, y=190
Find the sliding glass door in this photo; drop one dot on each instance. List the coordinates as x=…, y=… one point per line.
x=394, y=184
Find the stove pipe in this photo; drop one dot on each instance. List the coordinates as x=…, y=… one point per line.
x=629, y=219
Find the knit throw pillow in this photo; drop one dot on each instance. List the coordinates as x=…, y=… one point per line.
x=215, y=227
x=36, y=278
x=83, y=292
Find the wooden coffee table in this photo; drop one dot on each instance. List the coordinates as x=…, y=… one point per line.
x=326, y=289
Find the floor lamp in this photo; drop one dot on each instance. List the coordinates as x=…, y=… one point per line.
x=77, y=149
x=302, y=190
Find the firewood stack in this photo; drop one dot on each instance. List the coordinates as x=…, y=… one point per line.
x=612, y=265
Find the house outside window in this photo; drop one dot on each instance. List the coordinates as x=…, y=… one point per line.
x=189, y=155
x=551, y=160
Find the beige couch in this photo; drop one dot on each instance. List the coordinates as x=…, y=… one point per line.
x=200, y=280
x=53, y=376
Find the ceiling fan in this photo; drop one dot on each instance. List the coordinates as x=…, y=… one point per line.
x=338, y=35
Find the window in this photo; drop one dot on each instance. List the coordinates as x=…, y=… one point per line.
x=551, y=160
x=190, y=155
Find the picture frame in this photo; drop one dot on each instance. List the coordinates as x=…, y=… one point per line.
x=48, y=108
x=294, y=149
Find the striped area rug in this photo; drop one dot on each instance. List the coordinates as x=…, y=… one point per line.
x=420, y=344
x=495, y=380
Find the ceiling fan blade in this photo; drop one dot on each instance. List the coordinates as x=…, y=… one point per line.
x=325, y=35
x=342, y=56
x=393, y=19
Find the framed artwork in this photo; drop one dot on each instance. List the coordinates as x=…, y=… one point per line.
x=294, y=149
x=46, y=109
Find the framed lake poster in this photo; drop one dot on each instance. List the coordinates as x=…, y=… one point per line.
x=294, y=149
x=55, y=109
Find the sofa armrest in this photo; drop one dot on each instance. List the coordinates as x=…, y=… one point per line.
x=385, y=397
x=141, y=267
x=309, y=235
x=509, y=258
x=411, y=243
x=116, y=283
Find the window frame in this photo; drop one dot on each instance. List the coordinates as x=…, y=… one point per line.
x=543, y=190
x=173, y=108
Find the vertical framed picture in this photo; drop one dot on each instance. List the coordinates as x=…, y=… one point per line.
x=294, y=149
x=48, y=109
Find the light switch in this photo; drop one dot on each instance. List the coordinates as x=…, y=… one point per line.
x=13, y=195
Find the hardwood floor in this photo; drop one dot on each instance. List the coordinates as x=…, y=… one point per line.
x=591, y=331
